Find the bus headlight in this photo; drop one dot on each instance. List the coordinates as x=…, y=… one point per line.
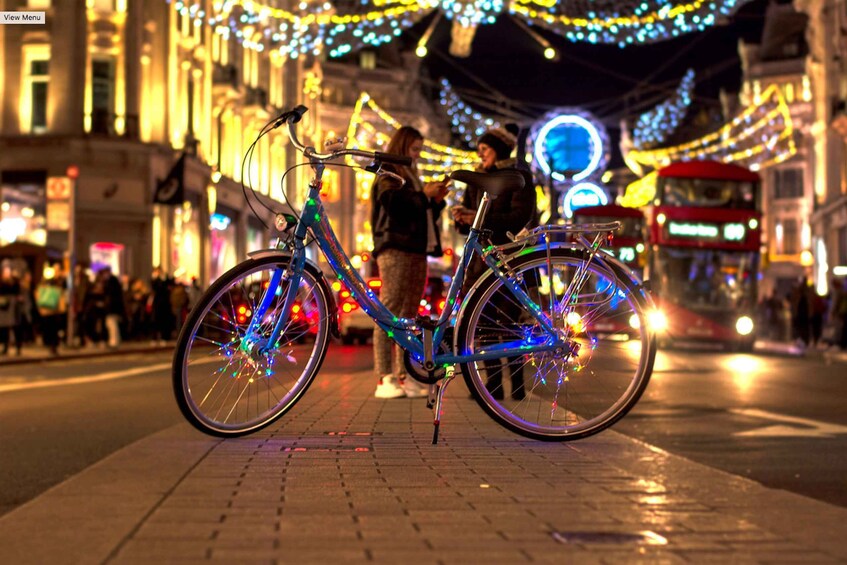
x=744, y=325
x=657, y=321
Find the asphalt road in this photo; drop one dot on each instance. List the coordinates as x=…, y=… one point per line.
x=780, y=421
x=777, y=420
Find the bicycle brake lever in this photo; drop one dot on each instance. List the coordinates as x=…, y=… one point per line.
x=376, y=168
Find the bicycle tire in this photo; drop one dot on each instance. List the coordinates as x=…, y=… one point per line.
x=569, y=406
x=254, y=390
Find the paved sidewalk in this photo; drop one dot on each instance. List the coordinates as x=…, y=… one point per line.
x=346, y=478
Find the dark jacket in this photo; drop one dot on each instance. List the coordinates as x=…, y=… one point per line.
x=399, y=215
x=510, y=212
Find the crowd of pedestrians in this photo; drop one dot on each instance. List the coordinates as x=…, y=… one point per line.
x=806, y=317
x=107, y=309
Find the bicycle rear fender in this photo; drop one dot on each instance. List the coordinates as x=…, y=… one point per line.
x=319, y=276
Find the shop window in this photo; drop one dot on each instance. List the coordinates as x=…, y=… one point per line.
x=788, y=183
x=23, y=211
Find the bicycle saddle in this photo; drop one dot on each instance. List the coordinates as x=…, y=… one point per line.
x=494, y=183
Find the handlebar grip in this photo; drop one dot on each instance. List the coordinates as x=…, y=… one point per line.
x=392, y=158
x=297, y=113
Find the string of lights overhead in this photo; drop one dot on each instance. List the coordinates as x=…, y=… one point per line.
x=365, y=132
x=654, y=126
x=319, y=26
x=761, y=135
x=465, y=122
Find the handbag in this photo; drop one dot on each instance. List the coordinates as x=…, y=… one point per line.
x=48, y=297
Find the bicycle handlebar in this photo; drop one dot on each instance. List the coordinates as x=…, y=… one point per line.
x=293, y=116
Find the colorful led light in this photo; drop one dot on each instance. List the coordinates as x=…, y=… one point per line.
x=759, y=136
x=465, y=122
x=317, y=26
x=655, y=125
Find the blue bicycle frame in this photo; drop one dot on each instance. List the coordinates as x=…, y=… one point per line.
x=403, y=331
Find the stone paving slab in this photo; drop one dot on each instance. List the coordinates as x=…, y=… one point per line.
x=346, y=478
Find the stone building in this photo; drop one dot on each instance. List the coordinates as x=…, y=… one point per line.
x=116, y=91
x=788, y=196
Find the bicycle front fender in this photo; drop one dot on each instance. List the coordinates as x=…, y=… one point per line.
x=319, y=276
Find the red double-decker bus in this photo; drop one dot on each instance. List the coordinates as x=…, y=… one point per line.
x=705, y=234
x=629, y=243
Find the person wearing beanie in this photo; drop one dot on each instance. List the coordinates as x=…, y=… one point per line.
x=404, y=223
x=512, y=211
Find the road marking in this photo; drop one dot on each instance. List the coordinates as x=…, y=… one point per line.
x=802, y=427
x=114, y=375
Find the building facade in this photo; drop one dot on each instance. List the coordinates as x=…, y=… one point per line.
x=98, y=105
x=788, y=195
x=826, y=64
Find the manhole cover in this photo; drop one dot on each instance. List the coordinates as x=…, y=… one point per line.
x=636, y=538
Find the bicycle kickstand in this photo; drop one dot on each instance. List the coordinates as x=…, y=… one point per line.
x=438, y=402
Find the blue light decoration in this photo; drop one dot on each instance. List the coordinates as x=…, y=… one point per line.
x=319, y=26
x=582, y=195
x=219, y=222
x=465, y=122
x=569, y=145
x=654, y=126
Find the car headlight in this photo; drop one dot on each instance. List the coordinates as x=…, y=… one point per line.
x=744, y=325
x=657, y=321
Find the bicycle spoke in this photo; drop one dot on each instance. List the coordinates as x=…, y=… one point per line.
x=230, y=385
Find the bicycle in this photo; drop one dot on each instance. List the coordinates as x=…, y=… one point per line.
x=255, y=341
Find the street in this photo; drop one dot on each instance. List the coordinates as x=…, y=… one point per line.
x=774, y=419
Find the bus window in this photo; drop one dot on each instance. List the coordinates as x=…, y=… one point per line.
x=707, y=279
x=708, y=193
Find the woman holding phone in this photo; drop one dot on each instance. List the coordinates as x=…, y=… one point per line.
x=404, y=220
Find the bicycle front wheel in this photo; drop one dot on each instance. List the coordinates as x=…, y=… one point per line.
x=560, y=395
x=223, y=386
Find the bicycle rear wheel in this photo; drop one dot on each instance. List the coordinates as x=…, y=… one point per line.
x=226, y=389
x=549, y=395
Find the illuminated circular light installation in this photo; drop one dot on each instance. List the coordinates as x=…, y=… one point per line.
x=582, y=195
x=569, y=145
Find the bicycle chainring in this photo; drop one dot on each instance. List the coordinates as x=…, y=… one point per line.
x=416, y=370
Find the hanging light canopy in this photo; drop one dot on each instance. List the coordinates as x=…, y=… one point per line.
x=319, y=26
x=654, y=126
x=762, y=134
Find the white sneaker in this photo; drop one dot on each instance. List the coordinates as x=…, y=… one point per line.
x=389, y=387
x=414, y=389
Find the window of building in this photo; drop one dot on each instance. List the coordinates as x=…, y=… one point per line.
x=40, y=76
x=788, y=183
x=38, y=4
x=102, y=95
x=788, y=237
x=35, y=88
x=103, y=5
x=367, y=59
